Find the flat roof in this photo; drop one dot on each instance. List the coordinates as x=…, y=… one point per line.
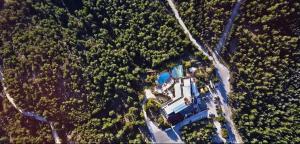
x=187, y=82
x=195, y=90
x=177, y=89
x=177, y=71
x=192, y=69
x=181, y=92
x=187, y=92
x=175, y=107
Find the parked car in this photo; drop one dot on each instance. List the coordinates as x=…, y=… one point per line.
x=212, y=115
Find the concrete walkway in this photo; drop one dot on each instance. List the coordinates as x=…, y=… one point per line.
x=149, y=94
x=234, y=136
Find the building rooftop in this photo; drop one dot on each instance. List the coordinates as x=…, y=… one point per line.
x=186, y=90
x=182, y=98
x=175, y=106
x=195, y=90
x=187, y=82
x=177, y=71
x=178, y=92
x=192, y=69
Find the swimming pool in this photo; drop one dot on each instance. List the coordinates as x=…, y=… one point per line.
x=163, y=78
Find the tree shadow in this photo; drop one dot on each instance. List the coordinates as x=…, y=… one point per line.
x=172, y=134
x=231, y=135
x=220, y=87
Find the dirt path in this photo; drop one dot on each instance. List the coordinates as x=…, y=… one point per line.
x=28, y=114
x=186, y=31
x=226, y=109
x=222, y=70
x=228, y=26
x=212, y=110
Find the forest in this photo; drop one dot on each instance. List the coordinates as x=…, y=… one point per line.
x=266, y=71
x=198, y=132
x=82, y=63
x=263, y=52
x=205, y=18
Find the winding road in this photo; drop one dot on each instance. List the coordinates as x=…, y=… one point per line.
x=228, y=26
x=212, y=110
x=158, y=135
x=222, y=70
x=186, y=31
x=28, y=114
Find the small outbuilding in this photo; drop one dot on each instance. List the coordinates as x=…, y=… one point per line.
x=177, y=72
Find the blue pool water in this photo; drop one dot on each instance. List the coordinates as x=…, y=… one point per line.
x=163, y=77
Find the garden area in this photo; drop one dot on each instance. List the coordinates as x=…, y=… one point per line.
x=198, y=132
x=152, y=108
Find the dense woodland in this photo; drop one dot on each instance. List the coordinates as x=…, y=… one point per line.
x=80, y=65
x=266, y=76
x=263, y=52
x=205, y=18
x=198, y=132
